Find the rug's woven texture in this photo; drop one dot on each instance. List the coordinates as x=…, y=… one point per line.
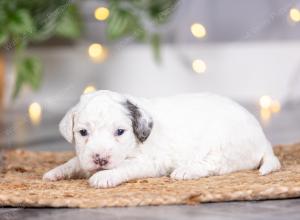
x=21, y=185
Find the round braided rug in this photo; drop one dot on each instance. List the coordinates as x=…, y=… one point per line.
x=21, y=184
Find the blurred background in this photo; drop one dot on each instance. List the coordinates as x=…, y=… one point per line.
x=53, y=51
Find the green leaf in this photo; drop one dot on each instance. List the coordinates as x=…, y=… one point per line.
x=46, y=27
x=122, y=23
x=21, y=23
x=3, y=37
x=117, y=24
x=69, y=24
x=155, y=43
x=25, y=21
x=29, y=71
x=128, y=19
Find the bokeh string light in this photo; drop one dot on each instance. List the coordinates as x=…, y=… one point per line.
x=101, y=13
x=268, y=106
x=295, y=14
x=35, y=113
x=199, y=66
x=97, y=52
x=275, y=106
x=89, y=89
x=265, y=101
x=198, y=30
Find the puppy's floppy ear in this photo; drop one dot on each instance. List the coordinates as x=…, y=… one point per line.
x=142, y=122
x=66, y=125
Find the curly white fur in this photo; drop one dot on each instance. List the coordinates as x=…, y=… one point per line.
x=186, y=136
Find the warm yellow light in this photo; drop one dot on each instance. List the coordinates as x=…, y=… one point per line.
x=295, y=14
x=275, y=106
x=265, y=102
x=265, y=114
x=35, y=113
x=95, y=50
x=198, y=30
x=199, y=66
x=89, y=89
x=101, y=13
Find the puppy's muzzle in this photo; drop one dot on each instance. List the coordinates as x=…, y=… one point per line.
x=100, y=161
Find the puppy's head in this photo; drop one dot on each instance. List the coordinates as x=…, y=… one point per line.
x=106, y=127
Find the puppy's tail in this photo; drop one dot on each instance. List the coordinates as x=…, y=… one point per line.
x=269, y=162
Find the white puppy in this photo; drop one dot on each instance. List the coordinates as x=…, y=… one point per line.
x=119, y=138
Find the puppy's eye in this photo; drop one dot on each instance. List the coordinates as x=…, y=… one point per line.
x=83, y=132
x=119, y=132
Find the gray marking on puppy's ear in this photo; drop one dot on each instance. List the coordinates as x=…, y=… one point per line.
x=142, y=122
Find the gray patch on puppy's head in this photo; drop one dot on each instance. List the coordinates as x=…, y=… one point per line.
x=142, y=122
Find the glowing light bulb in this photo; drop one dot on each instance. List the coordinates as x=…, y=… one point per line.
x=35, y=113
x=199, y=66
x=101, y=13
x=275, y=106
x=295, y=15
x=198, y=30
x=97, y=52
x=89, y=89
x=265, y=115
x=265, y=102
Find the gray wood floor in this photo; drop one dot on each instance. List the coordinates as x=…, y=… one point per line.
x=283, y=128
x=280, y=209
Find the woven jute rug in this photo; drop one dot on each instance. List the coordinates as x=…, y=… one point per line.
x=21, y=184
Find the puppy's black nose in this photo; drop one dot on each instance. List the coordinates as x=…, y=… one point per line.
x=100, y=161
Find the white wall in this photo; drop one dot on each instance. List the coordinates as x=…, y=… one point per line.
x=243, y=71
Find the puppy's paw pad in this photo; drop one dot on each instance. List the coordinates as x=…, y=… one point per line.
x=105, y=179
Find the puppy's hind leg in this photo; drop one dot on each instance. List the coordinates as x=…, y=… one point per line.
x=196, y=169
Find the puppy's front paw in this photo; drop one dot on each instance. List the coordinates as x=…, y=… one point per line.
x=105, y=179
x=53, y=175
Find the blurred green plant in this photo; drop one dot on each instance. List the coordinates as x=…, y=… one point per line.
x=25, y=21
x=134, y=18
